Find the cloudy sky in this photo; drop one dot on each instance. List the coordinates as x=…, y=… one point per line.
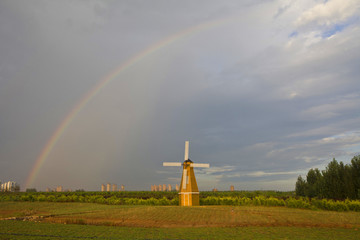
x=263, y=90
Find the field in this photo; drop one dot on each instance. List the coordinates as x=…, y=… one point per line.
x=52, y=220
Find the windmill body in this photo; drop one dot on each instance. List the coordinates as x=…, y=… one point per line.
x=189, y=192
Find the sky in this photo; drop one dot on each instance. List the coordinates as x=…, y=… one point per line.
x=95, y=92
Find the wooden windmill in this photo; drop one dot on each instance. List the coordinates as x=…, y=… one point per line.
x=189, y=192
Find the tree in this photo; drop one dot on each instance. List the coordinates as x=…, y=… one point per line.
x=355, y=174
x=349, y=183
x=311, y=179
x=332, y=181
x=315, y=184
x=300, y=186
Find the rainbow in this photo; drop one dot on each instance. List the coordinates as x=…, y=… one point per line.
x=105, y=81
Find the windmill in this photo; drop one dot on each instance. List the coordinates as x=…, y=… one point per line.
x=189, y=192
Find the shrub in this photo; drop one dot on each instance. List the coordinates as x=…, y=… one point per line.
x=297, y=203
x=353, y=205
x=226, y=201
x=245, y=201
x=209, y=201
x=164, y=201
x=62, y=198
x=50, y=198
x=271, y=201
x=259, y=201
x=41, y=198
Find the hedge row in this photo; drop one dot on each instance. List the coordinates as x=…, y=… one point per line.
x=304, y=203
x=113, y=200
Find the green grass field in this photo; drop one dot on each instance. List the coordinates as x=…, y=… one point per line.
x=91, y=221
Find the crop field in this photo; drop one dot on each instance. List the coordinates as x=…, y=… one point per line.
x=65, y=220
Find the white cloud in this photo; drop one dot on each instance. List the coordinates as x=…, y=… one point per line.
x=174, y=179
x=261, y=173
x=332, y=109
x=282, y=185
x=330, y=129
x=319, y=150
x=307, y=159
x=345, y=138
x=329, y=13
x=218, y=170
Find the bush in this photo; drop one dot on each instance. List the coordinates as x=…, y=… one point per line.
x=331, y=205
x=245, y=201
x=209, y=201
x=297, y=203
x=27, y=198
x=41, y=198
x=259, y=201
x=271, y=201
x=164, y=201
x=353, y=205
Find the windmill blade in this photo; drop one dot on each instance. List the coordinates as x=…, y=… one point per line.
x=204, y=165
x=184, y=179
x=171, y=164
x=186, y=157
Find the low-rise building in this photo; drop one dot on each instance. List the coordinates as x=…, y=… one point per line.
x=10, y=186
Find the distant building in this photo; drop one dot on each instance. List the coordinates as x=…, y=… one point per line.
x=155, y=188
x=164, y=187
x=169, y=188
x=103, y=188
x=214, y=190
x=177, y=187
x=59, y=188
x=232, y=188
x=108, y=187
x=114, y=187
x=10, y=187
x=122, y=188
x=160, y=187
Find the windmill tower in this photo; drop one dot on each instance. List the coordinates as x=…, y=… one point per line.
x=189, y=192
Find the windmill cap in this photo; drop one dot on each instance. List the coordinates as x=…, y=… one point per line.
x=188, y=161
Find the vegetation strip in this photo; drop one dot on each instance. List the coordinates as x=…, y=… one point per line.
x=266, y=198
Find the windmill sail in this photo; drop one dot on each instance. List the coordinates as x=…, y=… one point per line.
x=186, y=157
x=171, y=164
x=184, y=182
x=203, y=165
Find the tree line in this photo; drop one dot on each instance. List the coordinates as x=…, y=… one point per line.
x=338, y=181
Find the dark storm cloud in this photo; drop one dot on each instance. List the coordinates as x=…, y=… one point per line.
x=262, y=97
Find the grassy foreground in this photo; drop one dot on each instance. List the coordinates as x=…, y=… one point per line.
x=89, y=221
x=33, y=230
